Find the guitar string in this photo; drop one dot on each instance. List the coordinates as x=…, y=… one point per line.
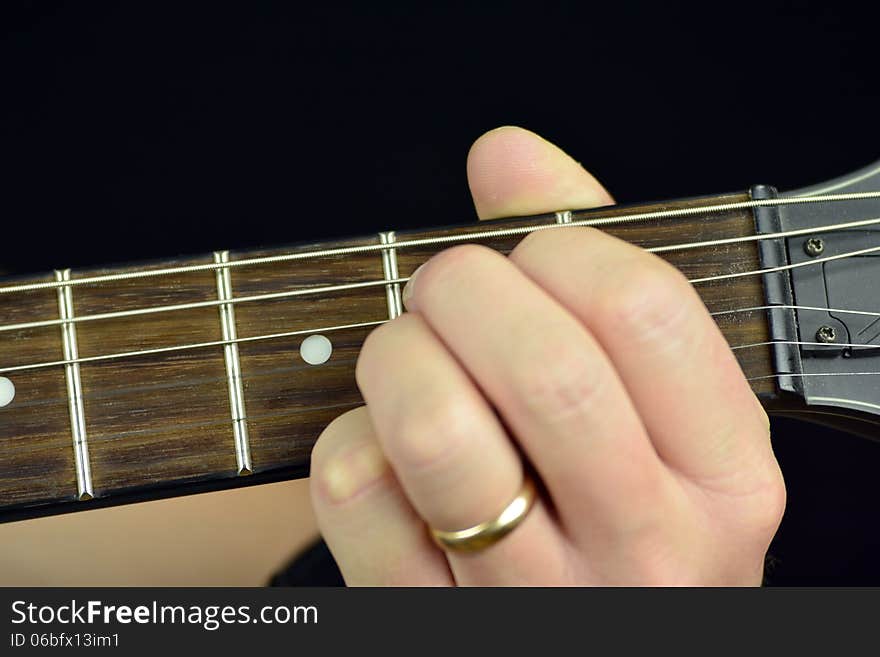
x=785, y=306
x=378, y=322
x=377, y=283
x=372, y=324
x=218, y=343
x=187, y=347
x=255, y=419
x=203, y=304
x=448, y=239
x=252, y=419
x=810, y=374
x=259, y=417
x=752, y=345
x=796, y=265
x=256, y=374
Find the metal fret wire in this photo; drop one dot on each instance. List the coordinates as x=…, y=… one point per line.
x=502, y=232
x=447, y=239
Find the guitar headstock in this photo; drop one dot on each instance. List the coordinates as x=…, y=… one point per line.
x=829, y=297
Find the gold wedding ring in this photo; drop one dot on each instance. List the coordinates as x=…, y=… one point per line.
x=481, y=536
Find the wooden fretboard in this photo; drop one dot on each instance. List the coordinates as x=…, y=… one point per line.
x=138, y=406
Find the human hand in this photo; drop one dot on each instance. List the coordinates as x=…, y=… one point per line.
x=589, y=358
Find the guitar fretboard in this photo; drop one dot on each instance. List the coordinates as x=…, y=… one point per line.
x=143, y=382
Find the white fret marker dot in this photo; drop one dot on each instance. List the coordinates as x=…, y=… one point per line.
x=7, y=391
x=316, y=349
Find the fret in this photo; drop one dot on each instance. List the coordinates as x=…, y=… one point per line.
x=36, y=459
x=290, y=400
x=158, y=419
x=74, y=391
x=233, y=368
x=389, y=268
x=563, y=217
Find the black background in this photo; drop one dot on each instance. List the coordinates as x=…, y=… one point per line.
x=134, y=130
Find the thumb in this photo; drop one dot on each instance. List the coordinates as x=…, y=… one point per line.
x=514, y=172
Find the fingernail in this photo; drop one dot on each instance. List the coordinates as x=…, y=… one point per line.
x=408, y=289
x=353, y=471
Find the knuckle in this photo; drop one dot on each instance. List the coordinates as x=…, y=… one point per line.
x=548, y=241
x=431, y=432
x=560, y=386
x=771, y=500
x=371, y=346
x=754, y=491
x=651, y=301
x=452, y=267
x=371, y=359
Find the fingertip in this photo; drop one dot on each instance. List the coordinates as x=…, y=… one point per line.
x=513, y=171
x=372, y=530
x=352, y=471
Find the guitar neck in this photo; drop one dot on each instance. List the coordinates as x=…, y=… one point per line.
x=172, y=377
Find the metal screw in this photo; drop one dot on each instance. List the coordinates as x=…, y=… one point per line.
x=826, y=334
x=814, y=246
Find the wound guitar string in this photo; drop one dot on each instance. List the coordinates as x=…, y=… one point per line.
x=392, y=281
x=449, y=239
x=463, y=237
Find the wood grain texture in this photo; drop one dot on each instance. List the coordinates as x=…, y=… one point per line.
x=36, y=453
x=161, y=424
